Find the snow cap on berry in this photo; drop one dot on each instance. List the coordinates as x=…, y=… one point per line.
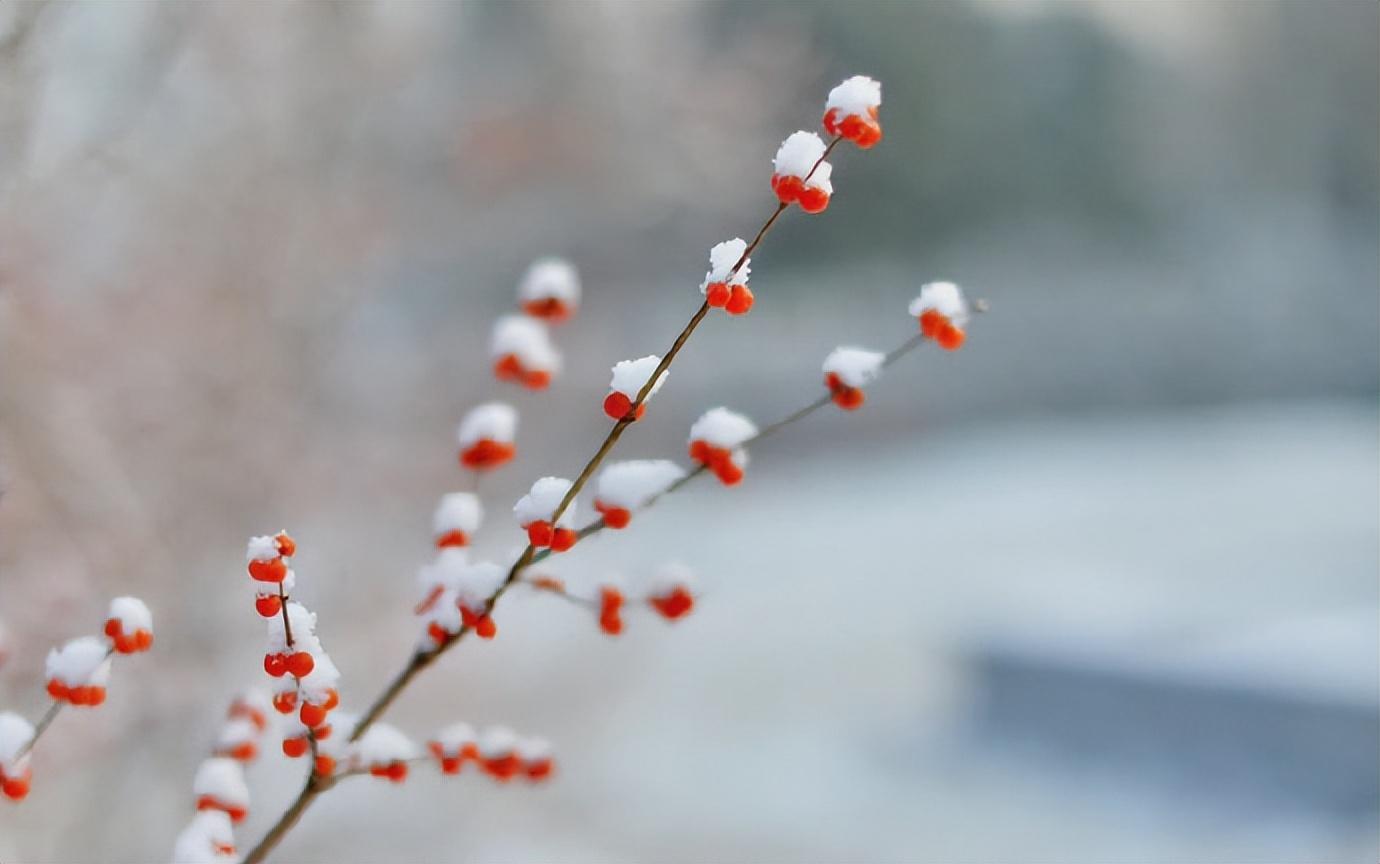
x=384, y=744
x=237, y=735
x=538, y=504
x=799, y=155
x=495, y=742
x=550, y=279
x=493, y=421
x=533, y=749
x=722, y=428
x=946, y=298
x=668, y=577
x=15, y=735
x=82, y=662
x=855, y=367
x=528, y=340
x=629, y=376
x=222, y=779
x=457, y=511
x=631, y=484
x=261, y=548
x=476, y=583
x=303, y=631
x=443, y=572
x=323, y=680
x=441, y=618
x=453, y=739
x=722, y=257
x=857, y=96
x=207, y=839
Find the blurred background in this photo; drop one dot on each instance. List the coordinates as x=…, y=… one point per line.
x=1100, y=587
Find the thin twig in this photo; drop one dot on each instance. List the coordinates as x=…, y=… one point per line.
x=39, y=728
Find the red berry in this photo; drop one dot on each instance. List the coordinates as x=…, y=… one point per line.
x=268, y=605
x=830, y=121
x=563, y=538
x=273, y=570
x=539, y=533
x=312, y=715
x=740, y=302
x=276, y=664
x=728, y=473
x=112, y=628
x=537, y=379
x=300, y=664
x=931, y=322
x=950, y=338
x=716, y=294
x=285, y=702
x=295, y=747
x=508, y=368
x=15, y=788
x=787, y=187
x=813, y=199
x=486, y=454
x=550, y=308
x=614, y=517
x=849, y=398
x=452, y=538
x=325, y=765
x=485, y=628
x=617, y=405
x=287, y=547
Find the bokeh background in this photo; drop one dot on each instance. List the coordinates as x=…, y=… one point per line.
x=1100, y=587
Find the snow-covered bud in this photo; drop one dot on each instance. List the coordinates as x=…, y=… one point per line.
x=550, y=289
x=456, y=519
x=486, y=436
x=265, y=556
x=497, y=749
x=671, y=590
x=610, y=609
x=15, y=735
x=629, y=377
x=475, y=584
x=534, y=513
x=78, y=671
x=219, y=785
x=385, y=751
x=623, y=487
x=537, y=757
x=129, y=624
x=282, y=658
x=847, y=371
x=716, y=442
x=723, y=286
x=522, y=352
x=208, y=839
x=452, y=746
x=851, y=111
x=801, y=174
x=943, y=313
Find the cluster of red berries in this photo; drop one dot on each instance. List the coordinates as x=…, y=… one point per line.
x=719, y=460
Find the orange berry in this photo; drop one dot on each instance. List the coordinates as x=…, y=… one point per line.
x=300, y=664
x=931, y=322
x=143, y=640
x=675, y=605
x=396, y=772
x=486, y=454
x=332, y=699
x=508, y=368
x=312, y=715
x=550, y=308
x=830, y=121
x=322, y=732
x=701, y=452
x=536, y=380
x=295, y=747
x=244, y=752
x=716, y=294
x=503, y=767
x=15, y=788
x=787, y=187
x=813, y=199
x=287, y=547
x=563, y=539
x=452, y=538
x=112, y=628
x=617, y=405
x=286, y=702
x=276, y=664
x=869, y=136
x=451, y=764
x=614, y=517
x=539, y=533
x=539, y=769
x=273, y=570
x=849, y=398
x=325, y=765
x=486, y=628
x=740, y=302
x=950, y=337
x=268, y=605
x=728, y=473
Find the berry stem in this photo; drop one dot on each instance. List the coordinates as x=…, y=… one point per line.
x=283, y=605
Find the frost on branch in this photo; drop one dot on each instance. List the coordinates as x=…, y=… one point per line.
x=456, y=519
x=15, y=735
x=943, y=313
x=385, y=751
x=801, y=176
x=847, y=371
x=724, y=287
x=522, y=352
x=623, y=487
x=716, y=442
x=486, y=436
x=550, y=289
x=535, y=509
x=208, y=839
x=851, y=111
x=129, y=624
x=79, y=671
x=629, y=377
x=219, y=785
x=671, y=590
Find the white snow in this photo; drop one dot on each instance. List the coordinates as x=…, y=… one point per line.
x=798, y=155
x=81, y=662
x=457, y=511
x=946, y=298
x=668, y=577
x=856, y=95
x=545, y=496
x=629, y=376
x=722, y=428
x=632, y=483
x=444, y=570
x=550, y=278
x=15, y=734
x=453, y=738
x=204, y=838
x=303, y=631
x=496, y=742
x=323, y=678
x=131, y=613
x=261, y=548
x=855, y=367
x=527, y=339
x=222, y=779
x=384, y=744
x=477, y=582
x=495, y=421
x=721, y=260
x=235, y=732
x=444, y=613
x=533, y=749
